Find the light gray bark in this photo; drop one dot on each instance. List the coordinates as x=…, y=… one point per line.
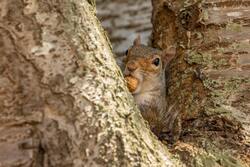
x=63, y=101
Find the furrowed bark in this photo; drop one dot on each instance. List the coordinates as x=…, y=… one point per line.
x=63, y=101
x=209, y=78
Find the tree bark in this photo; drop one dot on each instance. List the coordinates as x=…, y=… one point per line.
x=63, y=101
x=209, y=78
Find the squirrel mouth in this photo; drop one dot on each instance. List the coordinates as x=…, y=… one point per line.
x=129, y=75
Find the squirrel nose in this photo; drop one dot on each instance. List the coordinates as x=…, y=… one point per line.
x=131, y=67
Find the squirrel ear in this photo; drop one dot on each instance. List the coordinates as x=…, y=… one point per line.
x=137, y=41
x=169, y=54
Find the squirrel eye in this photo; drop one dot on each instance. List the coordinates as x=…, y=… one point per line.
x=156, y=61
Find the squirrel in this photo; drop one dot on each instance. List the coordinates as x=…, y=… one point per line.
x=146, y=74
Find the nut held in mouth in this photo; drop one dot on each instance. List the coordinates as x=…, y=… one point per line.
x=132, y=83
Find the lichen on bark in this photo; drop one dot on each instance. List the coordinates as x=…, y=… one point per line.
x=63, y=98
x=209, y=78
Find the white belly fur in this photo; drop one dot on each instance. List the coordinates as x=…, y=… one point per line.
x=143, y=98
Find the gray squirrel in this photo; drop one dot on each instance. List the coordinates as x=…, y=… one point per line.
x=145, y=73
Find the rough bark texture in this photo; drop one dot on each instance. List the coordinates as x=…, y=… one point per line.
x=63, y=101
x=210, y=77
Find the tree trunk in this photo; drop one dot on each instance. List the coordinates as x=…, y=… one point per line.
x=210, y=77
x=63, y=101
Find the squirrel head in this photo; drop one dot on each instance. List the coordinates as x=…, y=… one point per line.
x=147, y=65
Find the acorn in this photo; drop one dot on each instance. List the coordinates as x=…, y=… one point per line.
x=132, y=83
